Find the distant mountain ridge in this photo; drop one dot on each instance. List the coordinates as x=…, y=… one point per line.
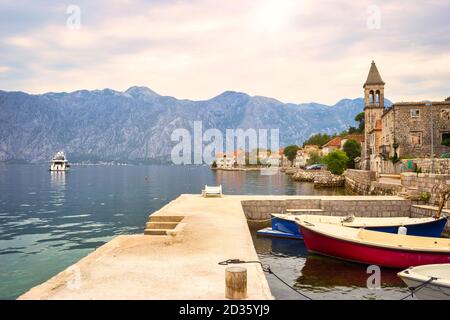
x=136, y=125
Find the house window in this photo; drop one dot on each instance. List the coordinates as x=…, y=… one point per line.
x=445, y=138
x=445, y=114
x=416, y=138
x=415, y=113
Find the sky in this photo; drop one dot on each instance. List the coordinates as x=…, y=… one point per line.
x=292, y=50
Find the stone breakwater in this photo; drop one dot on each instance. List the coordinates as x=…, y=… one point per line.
x=320, y=178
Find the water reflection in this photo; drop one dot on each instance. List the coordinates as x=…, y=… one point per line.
x=325, y=273
x=318, y=276
x=58, y=179
x=57, y=187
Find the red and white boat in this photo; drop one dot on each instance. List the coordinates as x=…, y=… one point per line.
x=373, y=247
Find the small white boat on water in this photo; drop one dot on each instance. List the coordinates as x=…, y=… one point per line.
x=432, y=282
x=59, y=162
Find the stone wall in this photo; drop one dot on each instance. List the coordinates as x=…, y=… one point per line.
x=406, y=126
x=412, y=184
x=365, y=207
x=261, y=209
x=385, y=189
x=334, y=206
x=440, y=166
x=359, y=181
x=426, y=182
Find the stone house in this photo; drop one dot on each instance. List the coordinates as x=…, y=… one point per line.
x=333, y=144
x=229, y=160
x=404, y=130
x=304, y=154
x=301, y=159
x=310, y=148
x=417, y=129
x=337, y=143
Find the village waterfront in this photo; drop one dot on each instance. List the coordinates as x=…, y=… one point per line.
x=51, y=220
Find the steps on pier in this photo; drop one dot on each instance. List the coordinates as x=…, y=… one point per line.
x=155, y=232
x=162, y=218
x=161, y=225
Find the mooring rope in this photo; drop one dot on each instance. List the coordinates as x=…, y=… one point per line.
x=417, y=288
x=265, y=268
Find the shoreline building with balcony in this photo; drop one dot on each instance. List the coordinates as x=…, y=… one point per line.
x=404, y=130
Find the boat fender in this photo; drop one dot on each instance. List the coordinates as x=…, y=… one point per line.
x=402, y=230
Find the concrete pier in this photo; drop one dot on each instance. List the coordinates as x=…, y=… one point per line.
x=177, y=257
x=180, y=265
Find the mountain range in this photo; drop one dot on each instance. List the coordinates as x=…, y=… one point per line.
x=136, y=125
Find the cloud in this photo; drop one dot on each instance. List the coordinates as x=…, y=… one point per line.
x=295, y=51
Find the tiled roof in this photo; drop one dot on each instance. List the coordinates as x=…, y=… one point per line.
x=335, y=142
x=357, y=137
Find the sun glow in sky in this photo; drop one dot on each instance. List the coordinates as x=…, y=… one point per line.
x=295, y=51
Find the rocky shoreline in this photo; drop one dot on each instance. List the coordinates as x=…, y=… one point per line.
x=320, y=178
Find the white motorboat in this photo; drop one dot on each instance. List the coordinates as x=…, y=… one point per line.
x=431, y=282
x=59, y=162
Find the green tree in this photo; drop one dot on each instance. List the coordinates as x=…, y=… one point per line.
x=336, y=161
x=314, y=158
x=291, y=152
x=448, y=99
x=360, y=118
x=353, y=150
x=318, y=139
x=352, y=130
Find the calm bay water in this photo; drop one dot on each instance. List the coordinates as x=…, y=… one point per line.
x=48, y=221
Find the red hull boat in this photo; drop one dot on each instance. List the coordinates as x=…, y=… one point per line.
x=372, y=247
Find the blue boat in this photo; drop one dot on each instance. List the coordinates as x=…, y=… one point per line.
x=285, y=226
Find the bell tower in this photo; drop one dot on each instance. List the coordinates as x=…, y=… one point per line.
x=373, y=106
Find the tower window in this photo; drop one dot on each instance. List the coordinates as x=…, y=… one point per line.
x=415, y=113
x=416, y=138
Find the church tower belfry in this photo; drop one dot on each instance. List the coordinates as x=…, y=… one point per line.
x=374, y=88
x=373, y=107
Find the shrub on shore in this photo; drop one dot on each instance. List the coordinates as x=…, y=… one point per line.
x=336, y=161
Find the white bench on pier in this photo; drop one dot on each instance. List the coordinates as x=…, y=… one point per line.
x=211, y=191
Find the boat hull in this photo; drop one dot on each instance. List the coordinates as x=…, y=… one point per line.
x=290, y=229
x=281, y=228
x=368, y=254
x=432, y=281
x=269, y=232
x=432, y=229
x=430, y=291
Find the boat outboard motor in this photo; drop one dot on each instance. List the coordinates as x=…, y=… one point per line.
x=402, y=230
